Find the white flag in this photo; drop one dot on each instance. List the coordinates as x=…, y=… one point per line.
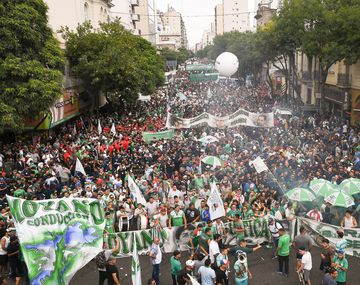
x=135, y=265
x=135, y=191
x=74, y=130
x=79, y=167
x=99, y=127
x=193, y=280
x=259, y=164
x=215, y=202
x=113, y=130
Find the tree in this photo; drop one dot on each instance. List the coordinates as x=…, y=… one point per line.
x=181, y=55
x=31, y=62
x=113, y=61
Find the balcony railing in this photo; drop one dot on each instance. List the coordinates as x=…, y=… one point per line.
x=343, y=79
x=135, y=2
x=305, y=75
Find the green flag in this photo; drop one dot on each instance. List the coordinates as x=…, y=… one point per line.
x=149, y=137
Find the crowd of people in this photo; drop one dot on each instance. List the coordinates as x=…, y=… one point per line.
x=176, y=185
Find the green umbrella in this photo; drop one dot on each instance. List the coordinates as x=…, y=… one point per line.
x=350, y=186
x=322, y=187
x=340, y=199
x=300, y=195
x=212, y=160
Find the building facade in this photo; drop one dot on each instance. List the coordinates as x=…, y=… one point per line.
x=171, y=31
x=77, y=12
x=145, y=20
x=219, y=19
x=125, y=11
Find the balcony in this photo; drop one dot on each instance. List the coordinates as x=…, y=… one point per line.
x=135, y=17
x=135, y=2
x=343, y=80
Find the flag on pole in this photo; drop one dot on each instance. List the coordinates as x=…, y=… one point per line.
x=135, y=265
x=113, y=129
x=215, y=202
x=135, y=191
x=99, y=127
x=74, y=130
x=259, y=164
x=79, y=167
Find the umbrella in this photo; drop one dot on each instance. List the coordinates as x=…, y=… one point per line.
x=340, y=199
x=300, y=195
x=350, y=186
x=208, y=139
x=322, y=187
x=212, y=160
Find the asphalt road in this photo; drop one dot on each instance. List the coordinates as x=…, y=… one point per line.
x=261, y=265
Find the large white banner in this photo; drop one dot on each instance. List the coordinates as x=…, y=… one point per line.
x=239, y=118
x=319, y=230
x=256, y=232
x=215, y=202
x=58, y=236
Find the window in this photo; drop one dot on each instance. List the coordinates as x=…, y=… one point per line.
x=86, y=11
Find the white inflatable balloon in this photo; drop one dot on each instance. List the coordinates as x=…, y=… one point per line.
x=227, y=64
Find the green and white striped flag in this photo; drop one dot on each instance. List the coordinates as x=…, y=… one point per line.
x=149, y=136
x=135, y=266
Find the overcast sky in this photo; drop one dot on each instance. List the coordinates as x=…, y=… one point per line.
x=194, y=25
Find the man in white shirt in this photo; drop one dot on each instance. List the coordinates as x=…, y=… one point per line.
x=151, y=207
x=214, y=249
x=306, y=264
x=155, y=258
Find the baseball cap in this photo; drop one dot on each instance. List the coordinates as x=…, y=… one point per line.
x=190, y=263
x=340, y=251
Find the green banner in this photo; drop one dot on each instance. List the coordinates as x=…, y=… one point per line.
x=204, y=77
x=57, y=237
x=149, y=137
x=199, y=67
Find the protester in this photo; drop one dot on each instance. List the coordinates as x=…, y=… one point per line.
x=348, y=221
x=207, y=274
x=341, y=264
x=183, y=276
x=155, y=258
x=330, y=277
x=101, y=261
x=302, y=240
x=305, y=264
x=221, y=273
x=326, y=255
x=112, y=273
x=175, y=265
x=274, y=228
x=242, y=272
x=283, y=252
x=14, y=252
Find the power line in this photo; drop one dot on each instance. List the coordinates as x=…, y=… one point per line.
x=185, y=16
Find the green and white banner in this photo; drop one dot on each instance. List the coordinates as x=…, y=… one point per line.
x=256, y=232
x=240, y=117
x=319, y=230
x=149, y=137
x=58, y=236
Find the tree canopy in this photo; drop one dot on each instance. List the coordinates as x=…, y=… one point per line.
x=113, y=61
x=31, y=62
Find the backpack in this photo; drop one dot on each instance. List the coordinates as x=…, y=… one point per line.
x=100, y=260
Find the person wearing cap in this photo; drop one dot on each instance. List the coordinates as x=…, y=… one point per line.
x=221, y=273
x=183, y=277
x=330, y=277
x=283, y=252
x=175, y=266
x=305, y=263
x=341, y=264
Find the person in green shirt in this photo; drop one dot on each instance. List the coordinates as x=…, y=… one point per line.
x=175, y=265
x=177, y=217
x=238, y=228
x=341, y=265
x=283, y=252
